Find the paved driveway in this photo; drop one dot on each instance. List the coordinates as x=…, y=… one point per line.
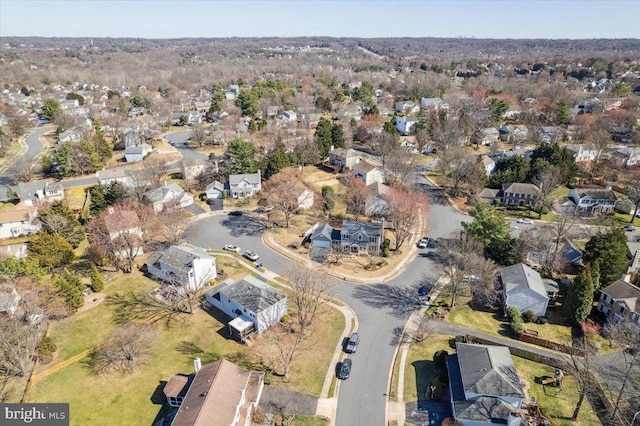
x=180, y=141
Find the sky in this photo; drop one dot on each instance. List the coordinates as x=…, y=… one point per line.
x=339, y=18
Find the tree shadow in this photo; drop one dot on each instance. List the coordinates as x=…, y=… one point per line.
x=190, y=348
x=221, y=317
x=400, y=302
x=166, y=412
x=425, y=373
x=243, y=225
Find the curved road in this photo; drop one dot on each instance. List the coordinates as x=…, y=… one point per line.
x=382, y=309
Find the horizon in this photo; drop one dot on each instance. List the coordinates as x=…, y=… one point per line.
x=459, y=19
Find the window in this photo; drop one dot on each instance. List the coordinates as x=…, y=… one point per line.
x=346, y=236
x=359, y=237
x=622, y=309
x=372, y=239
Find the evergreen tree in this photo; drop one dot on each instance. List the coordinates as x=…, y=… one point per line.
x=70, y=287
x=97, y=283
x=50, y=250
x=61, y=220
x=50, y=108
x=579, y=300
x=495, y=234
x=323, y=136
x=337, y=136
x=276, y=160
x=609, y=251
x=242, y=155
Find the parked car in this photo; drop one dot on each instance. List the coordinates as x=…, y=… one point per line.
x=629, y=228
x=345, y=369
x=527, y=221
x=235, y=213
x=232, y=247
x=251, y=255
x=352, y=344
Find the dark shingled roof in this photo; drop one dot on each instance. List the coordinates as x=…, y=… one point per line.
x=249, y=292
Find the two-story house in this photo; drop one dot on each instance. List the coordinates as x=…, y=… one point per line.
x=591, y=201
x=407, y=107
x=368, y=173
x=252, y=304
x=513, y=133
x=628, y=157
x=585, y=153
x=406, y=125
x=245, y=185
x=190, y=268
x=619, y=302
x=169, y=197
x=488, y=164
x=123, y=227
x=361, y=237
x=433, y=103
x=519, y=194
x=137, y=153
x=345, y=158
x=551, y=134
x=490, y=135
x=18, y=220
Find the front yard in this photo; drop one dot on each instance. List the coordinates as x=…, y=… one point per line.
x=136, y=398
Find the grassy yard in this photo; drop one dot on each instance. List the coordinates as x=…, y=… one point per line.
x=557, y=405
x=419, y=368
x=487, y=322
x=137, y=398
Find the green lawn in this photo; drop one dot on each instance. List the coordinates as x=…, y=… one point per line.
x=556, y=405
x=419, y=369
x=486, y=322
x=136, y=398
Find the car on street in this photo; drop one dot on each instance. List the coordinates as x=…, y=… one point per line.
x=251, y=255
x=232, y=247
x=235, y=213
x=345, y=369
x=423, y=243
x=629, y=228
x=526, y=221
x=352, y=344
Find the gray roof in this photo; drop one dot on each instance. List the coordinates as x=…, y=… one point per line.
x=215, y=185
x=345, y=152
x=322, y=232
x=521, y=188
x=489, y=193
x=350, y=227
x=620, y=289
x=28, y=190
x=484, y=409
x=180, y=257
x=488, y=371
x=138, y=149
x=597, y=194
x=378, y=188
x=520, y=277
x=161, y=194
x=253, y=178
x=249, y=292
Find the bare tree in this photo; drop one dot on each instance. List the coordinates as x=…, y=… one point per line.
x=462, y=168
x=16, y=122
x=21, y=170
x=400, y=168
x=281, y=191
x=580, y=368
x=385, y=144
x=198, y=135
x=151, y=174
x=548, y=181
x=404, y=208
x=168, y=225
x=283, y=346
x=309, y=296
x=128, y=347
x=356, y=196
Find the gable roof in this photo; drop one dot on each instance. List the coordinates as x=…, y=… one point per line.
x=325, y=232
x=489, y=193
x=597, y=194
x=249, y=292
x=215, y=185
x=180, y=257
x=364, y=166
x=121, y=219
x=350, y=227
x=219, y=390
x=622, y=290
x=252, y=178
x=378, y=188
x=488, y=371
x=172, y=191
x=520, y=277
x=520, y=188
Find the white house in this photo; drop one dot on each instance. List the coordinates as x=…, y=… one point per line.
x=513, y=133
x=135, y=154
x=245, y=185
x=490, y=135
x=368, y=173
x=406, y=124
x=628, y=157
x=346, y=158
x=407, y=107
x=377, y=204
x=304, y=197
x=289, y=115
x=190, y=268
x=215, y=190
x=18, y=220
x=125, y=225
x=252, y=303
x=169, y=196
x=592, y=201
x=488, y=164
x=584, y=153
x=433, y=103
x=523, y=288
x=70, y=135
x=409, y=146
x=9, y=299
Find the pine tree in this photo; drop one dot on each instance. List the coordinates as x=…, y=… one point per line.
x=579, y=300
x=69, y=285
x=97, y=283
x=323, y=137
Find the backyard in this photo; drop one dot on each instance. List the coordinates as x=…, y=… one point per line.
x=137, y=398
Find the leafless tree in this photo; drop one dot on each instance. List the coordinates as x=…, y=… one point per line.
x=462, y=168
x=283, y=346
x=400, y=167
x=5, y=143
x=309, y=295
x=21, y=170
x=168, y=226
x=128, y=347
x=580, y=368
x=198, y=135
x=152, y=172
x=385, y=144
x=356, y=196
x=16, y=122
x=548, y=181
x=281, y=191
x=306, y=152
x=404, y=207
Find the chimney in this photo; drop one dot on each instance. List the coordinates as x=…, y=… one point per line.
x=165, y=183
x=111, y=210
x=197, y=365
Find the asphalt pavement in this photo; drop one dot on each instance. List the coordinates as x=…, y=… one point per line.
x=180, y=141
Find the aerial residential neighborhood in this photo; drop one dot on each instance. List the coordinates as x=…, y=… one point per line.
x=346, y=231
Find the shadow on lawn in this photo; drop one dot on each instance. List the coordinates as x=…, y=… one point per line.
x=401, y=302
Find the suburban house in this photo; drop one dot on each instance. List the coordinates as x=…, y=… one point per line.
x=628, y=157
x=622, y=134
x=584, y=153
x=634, y=253
x=407, y=107
x=245, y=185
x=590, y=201
x=18, y=220
x=489, y=196
x=289, y=115
x=433, y=103
x=125, y=224
x=137, y=153
x=122, y=176
x=252, y=304
x=406, y=125
x=345, y=158
x=191, y=268
x=368, y=173
x=170, y=197
x=484, y=386
x=550, y=134
x=409, y=146
x=625, y=206
x=325, y=236
x=520, y=194
x=131, y=138
x=361, y=237
x=523, y=288
x=39, y=191
x=488, y=165
x=193, y=167
x=304, y=197
x=70, y=135
x=9, y=299
x=571, y=253
x=490, y=135
x=215, y=190
x=377, y=204
x=619, y=302
x=218, y=394
x=513, y=133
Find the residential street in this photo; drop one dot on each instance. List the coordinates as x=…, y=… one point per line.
x=180, y=141
x=382, y=308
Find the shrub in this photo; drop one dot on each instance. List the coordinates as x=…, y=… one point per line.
x=97, y=283
x=268, y=378
x=46, y=347
x=528, y=316
x=516, y=328
x=440, y=359
x=513, y=313
x=542, y=320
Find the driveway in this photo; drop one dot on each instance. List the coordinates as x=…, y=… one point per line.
x=382, y=309
x=180, y=141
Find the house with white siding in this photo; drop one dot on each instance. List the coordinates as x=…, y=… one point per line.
x=189, y=268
